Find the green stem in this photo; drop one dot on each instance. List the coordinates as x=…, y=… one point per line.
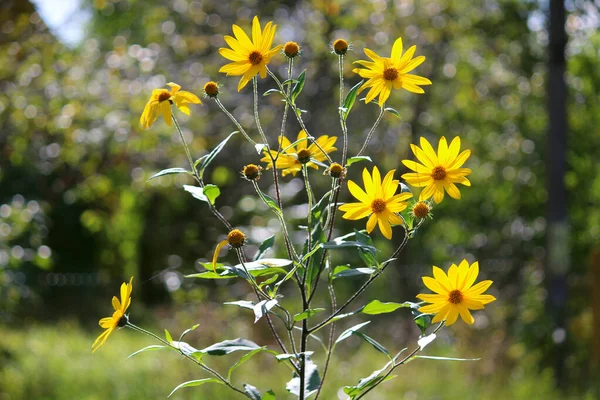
x=256, y=114
x=377, y=121
x=202, y=365
x=235, y=121
x=342, y=120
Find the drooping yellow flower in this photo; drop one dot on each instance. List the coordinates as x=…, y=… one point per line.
x=378, y=201
x=250, y=57
x=438, y=172
x=455, y=293
x=160, y=103
x=383, y=73
x=291, y=158
x=118, y=318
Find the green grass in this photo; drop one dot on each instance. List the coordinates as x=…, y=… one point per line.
x=55, y=362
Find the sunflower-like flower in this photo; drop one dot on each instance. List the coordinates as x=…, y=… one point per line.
x=161, y=100
x=438, y=172
x=118, y=319
x=378, y=201
x=455, y=293
x=291, y=158
x=383, y=73
x=250, y=57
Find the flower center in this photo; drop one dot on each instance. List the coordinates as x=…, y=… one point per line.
x=255, y=58
x=438, y=173
x=252, y=172
x=211, y=89
x=164, y=96
x=455, y=297
x=291, y=49
x=378, y=206
x=304, y=156
x=390, y=74
x=340, y=46
x=420, y=210
x=236, y=238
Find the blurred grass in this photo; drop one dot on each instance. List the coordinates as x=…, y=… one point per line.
x=55, y=362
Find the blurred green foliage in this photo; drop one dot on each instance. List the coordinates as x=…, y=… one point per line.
x=77, y=213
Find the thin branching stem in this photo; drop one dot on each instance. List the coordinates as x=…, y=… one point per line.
x=235, y=121
x=370, y=134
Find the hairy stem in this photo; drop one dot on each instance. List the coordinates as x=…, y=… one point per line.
x=368, y=139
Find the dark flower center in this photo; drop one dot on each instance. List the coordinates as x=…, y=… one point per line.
x=236, y=238
x=438, y=173
x=255, y=58
x=164, y=96
x=455, y=297
x=378, y=206
x=304, y=156
x=420, y=210
x=390, y=74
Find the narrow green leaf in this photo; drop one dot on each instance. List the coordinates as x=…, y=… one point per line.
x=246, y=357
x=196, y=382
x=347, y=273
x=229, y=346
x=356, y=159
x=264, y=246
x=339, y=243
x=252, y=392
x=147, y=348
x=376, y=345
x=350, y=331
x=377, y=307
x=197, y=192
x=211, y=156
x=393, y=111
x=170, y=171
x=298, y=86
x=284, y=357
x=242, y=304
x=271, y=91
x=307, y=314
x=188, y=331
x=271, y=203
x=350, y=99
x=168, y=336
x=447, y=358
x=268, y=281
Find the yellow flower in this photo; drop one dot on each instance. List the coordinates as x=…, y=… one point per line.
x=160, y=102
x=378, y=200
x=292, y=157
x=384, y=73
x=249, y=57
x=118, y=318
x=455, y=293
x=438, y=172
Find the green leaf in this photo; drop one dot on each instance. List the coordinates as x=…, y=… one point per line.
x=365, y=254
x=252, y=391
x=196, y=382
x=271, y=203
x=365, y=383
x=212, y=192
x=347, y=273
x=260, y=147
x=307, y=314
x=311, y=380
x=393, y=111
x=246, y=357
x=350, y=331
x=298, y=86
x=284, y=357
x=197, y=192
x=242, y=304
x=350, y=99
x=168, y=336
x=170, y=171
x=268, y=281
x=211, y=156
x=270, y=395
x=147, y=348
x=379, y=347
x=447, y=358
x=262, y=267
x=229, y=346
x=377, y=307
x=262, y=308
x=271, y=91
x=426, y=340
x=340, y=243
x=423, y=321
x=356, y=159
x=188, y=331
x=264, y=246
x=318, y=209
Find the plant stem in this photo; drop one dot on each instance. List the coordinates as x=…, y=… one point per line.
x=235, y=121
x=377, y=121
x=202, y=365
x=256, y=114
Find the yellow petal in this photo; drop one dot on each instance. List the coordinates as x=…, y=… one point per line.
x=165, y=110
x=431, y=308
x=452, y=315
x=256, y=32
x=372, y=55
x=425, y=153
x=415, y=79
x=216, y=254
x=478, y=289
x=368, y=182
x=428, y=192
x=397, y=50
x=438, y=194
x=106, y=322
x=406, y=57
x=412, y=64
x=384, y=94
x=442, y=278
x=442, y=314
x=371, y=222
x=116, y=303
x=242, y=38
x=355, y=211
x=452, y=190
x=411, y=87
x=433, y=298
x=385, y=228
x=460, y=160
x=174, y=87
x=465, y=314
x=417, y=180
x=359, y=194
x=434, y=285
x=484, y=298
x=443, y=151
